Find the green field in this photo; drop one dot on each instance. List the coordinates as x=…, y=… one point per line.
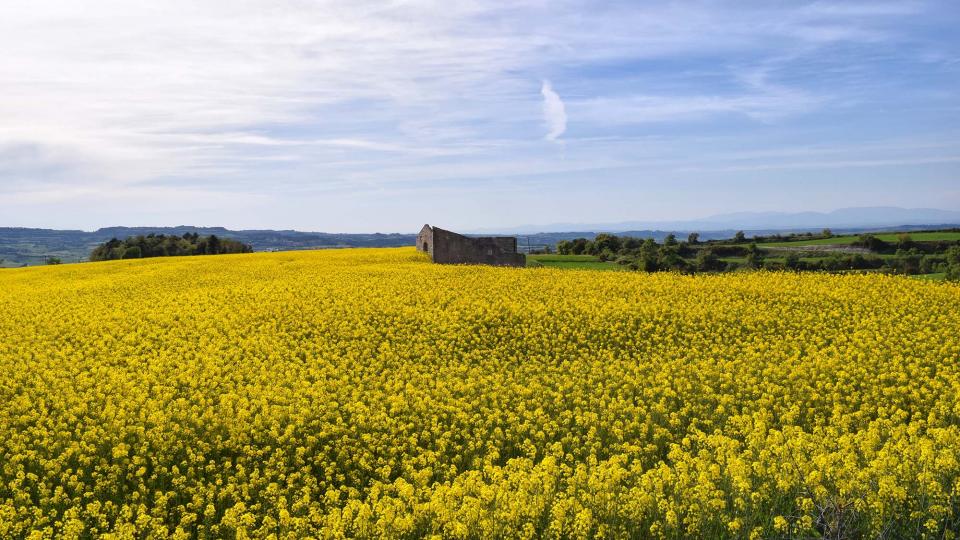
x=932, y=277
x=577, y=262
x=887, y=237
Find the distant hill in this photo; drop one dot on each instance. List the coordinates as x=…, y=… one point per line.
x=20, y=246
x=842, y=218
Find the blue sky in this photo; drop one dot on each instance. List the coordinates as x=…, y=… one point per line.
x=355, y=116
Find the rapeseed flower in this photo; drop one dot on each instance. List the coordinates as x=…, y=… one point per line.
x=369, y=393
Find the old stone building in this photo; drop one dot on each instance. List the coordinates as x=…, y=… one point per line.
x=447, y=247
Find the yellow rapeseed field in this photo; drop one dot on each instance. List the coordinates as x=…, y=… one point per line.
x=369, y=393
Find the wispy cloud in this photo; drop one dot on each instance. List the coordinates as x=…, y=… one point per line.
x=643, y=109
x=554, y=113
x=266, y=97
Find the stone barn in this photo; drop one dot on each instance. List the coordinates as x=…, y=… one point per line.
x=446, y=247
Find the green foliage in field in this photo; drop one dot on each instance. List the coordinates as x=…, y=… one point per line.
x=938, y=236
x=923, y=252
x=575, y=262
x=160, y=245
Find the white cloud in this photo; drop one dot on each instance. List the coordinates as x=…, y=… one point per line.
x=131, y=85
x=554, y=113
x=275, y=96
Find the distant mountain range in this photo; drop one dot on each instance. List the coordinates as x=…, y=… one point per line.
x=869, y=217
x=20, y=246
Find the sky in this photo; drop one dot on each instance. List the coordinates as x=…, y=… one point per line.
x=363, y=116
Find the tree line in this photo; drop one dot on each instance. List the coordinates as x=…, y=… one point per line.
x=904, y=256
x=160, y=245
x=647, y=254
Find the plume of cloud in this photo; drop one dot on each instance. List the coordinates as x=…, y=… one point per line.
x=554, y=113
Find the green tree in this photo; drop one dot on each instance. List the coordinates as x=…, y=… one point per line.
x=739, y=238
x=906, y=261
x=693, y=238
x=649, y=254
x=871, y=242
x=754, y=257
x=669, y=258
x=213, y=245
x=578, y=246
x=792, y=261
x=708, y=261
x=606, y=242
x=53, y=260
x=132, y=252
x=953, y=263
x=931, y=263
x=630, y=243
x=158, y=245
x=904, y=241
x=606, y=255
